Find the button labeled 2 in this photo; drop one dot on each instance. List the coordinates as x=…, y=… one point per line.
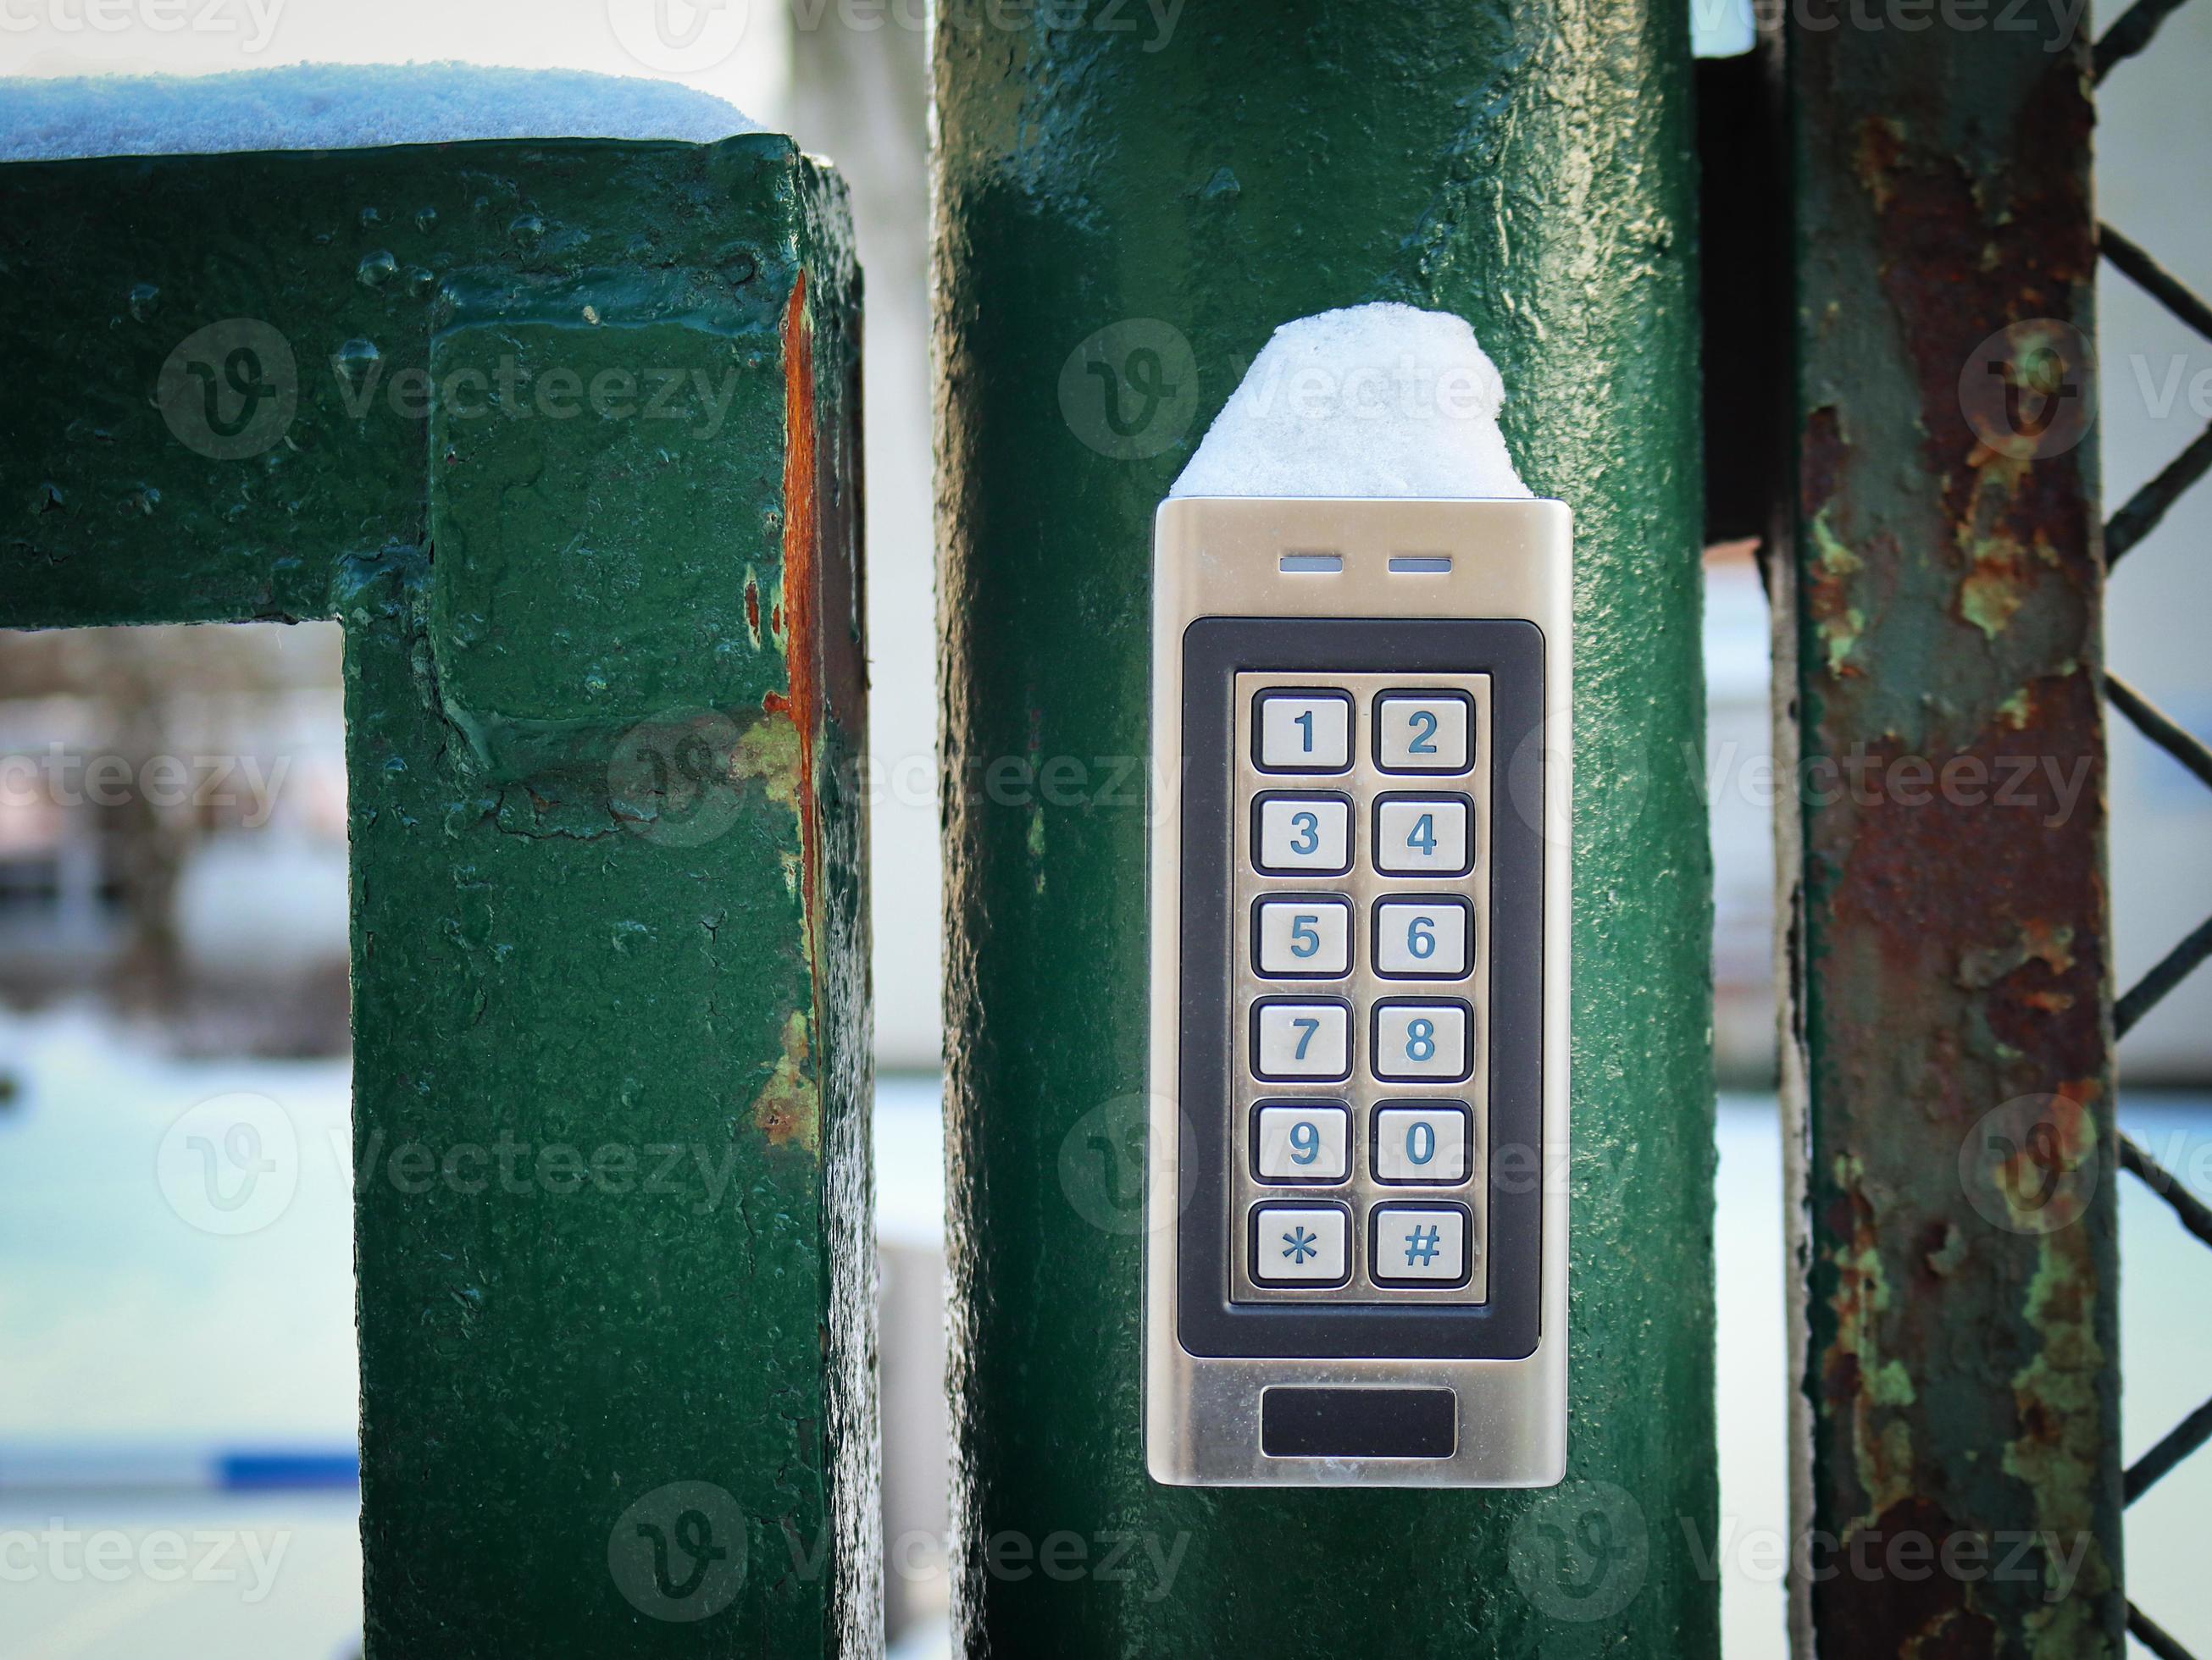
x=1423, y=732
x=1307, y=934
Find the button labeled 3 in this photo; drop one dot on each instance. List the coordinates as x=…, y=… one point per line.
x=1303, y=835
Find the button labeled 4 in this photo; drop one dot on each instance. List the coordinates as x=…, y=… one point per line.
x=1423, y=835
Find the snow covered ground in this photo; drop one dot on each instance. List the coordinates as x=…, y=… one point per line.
x=136, y=1344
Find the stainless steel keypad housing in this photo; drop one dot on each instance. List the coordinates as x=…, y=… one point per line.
x=1356, y=1250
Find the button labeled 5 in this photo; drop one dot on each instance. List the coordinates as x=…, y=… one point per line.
x=1301, y=1143
x=1303, y=732
x=1299, y=835
x=1307, y=934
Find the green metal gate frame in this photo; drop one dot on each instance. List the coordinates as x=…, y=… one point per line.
x=565, y=436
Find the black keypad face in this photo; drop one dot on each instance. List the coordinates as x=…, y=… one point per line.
x=1365, y=1042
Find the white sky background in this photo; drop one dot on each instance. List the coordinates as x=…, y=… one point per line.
x=741, y=52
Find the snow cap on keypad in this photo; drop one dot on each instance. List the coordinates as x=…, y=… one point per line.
x=1380, y=400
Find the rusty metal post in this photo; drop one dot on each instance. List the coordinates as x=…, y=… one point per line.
x=1949, y=1051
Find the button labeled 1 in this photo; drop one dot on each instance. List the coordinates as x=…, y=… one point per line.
x=1423, y=939
x=1299, y=835
x=1306, y=934
x=1422, y=731
x=1304, y=732
x=1301, y=1143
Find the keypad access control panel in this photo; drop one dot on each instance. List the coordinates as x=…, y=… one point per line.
x=1356, y=1137
x=1356, y=1270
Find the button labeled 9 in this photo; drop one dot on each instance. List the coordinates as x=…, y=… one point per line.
x=1307, y=1142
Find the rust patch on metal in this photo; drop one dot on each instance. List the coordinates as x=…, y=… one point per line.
x=788, y=1109
x=795, y=610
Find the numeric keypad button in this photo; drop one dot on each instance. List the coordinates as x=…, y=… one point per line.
x=1424, y=939
x=1301, y=1244
x=1422, y=1042
x=1424, y=1142
x=1423, y=835
x=1424, y=731
x=1418, y=1245
x=1303, y=835
x=1292, y=1042
x=1304, y=732
x=1308, y=1141
x=1306, y=934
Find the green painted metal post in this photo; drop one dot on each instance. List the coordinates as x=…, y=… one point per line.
x=1187, y=181
x=1950, y=1069
x=566, y=436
